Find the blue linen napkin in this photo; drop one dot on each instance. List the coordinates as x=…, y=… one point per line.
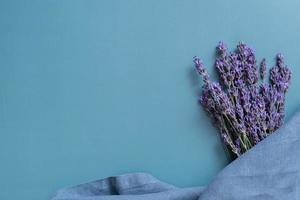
x=270, y=170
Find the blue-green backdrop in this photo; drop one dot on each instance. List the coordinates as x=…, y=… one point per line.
x=90, y=89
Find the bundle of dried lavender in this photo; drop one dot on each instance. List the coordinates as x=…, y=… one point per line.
x=244, y=111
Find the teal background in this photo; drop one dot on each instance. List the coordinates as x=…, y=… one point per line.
x=90, y=89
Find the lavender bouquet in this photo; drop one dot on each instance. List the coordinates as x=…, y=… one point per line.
x=242, y=106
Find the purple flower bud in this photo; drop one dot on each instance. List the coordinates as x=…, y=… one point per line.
x=280, y=57
x=222, y=48
x=263, y=68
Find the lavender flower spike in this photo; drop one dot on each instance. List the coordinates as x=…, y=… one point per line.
x=280, y=75
x=201, y=70
x=263, y=68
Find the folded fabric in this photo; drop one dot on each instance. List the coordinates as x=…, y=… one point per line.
x=135, y=186
x=270, y=170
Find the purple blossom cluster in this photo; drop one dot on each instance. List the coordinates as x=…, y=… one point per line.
x=244, y=108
